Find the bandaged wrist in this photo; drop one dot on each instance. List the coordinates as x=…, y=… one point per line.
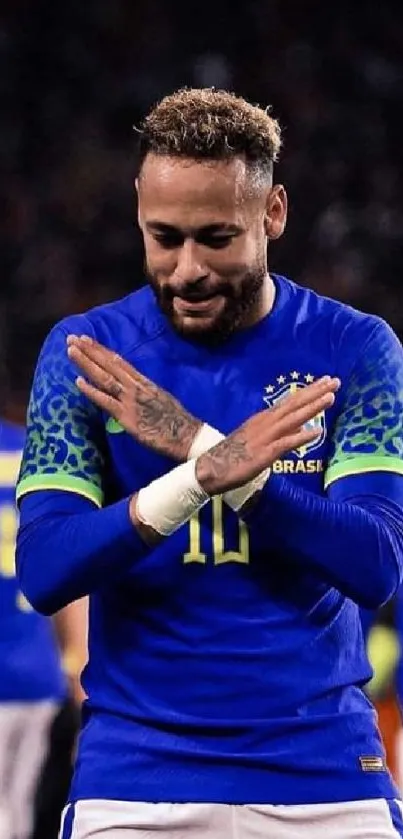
x=237, y=498
x=205, y=439
x=171, y=500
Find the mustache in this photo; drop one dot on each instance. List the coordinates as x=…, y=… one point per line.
x=195, y=292
x=198, y=289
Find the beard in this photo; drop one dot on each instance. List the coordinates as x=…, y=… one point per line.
x=240, y=299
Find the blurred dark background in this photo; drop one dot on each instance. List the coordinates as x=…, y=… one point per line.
x=75, y=77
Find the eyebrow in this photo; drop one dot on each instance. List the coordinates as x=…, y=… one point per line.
x=206, y=230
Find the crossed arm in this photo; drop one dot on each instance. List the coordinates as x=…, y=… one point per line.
x=354, y=536
x=351, y=535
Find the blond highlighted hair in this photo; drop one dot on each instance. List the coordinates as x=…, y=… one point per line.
x=208, y=124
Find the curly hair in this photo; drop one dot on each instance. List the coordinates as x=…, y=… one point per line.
x=209, y=124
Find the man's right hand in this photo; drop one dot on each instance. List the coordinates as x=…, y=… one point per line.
x=146, y=411
x=264, y=438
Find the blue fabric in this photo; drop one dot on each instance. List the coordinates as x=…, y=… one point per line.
x=225, y=665
x=76, y=549
x=68, y=822
x=356, y=542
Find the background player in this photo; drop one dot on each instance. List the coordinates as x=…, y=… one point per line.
x=226, y=663
x=33, y=683
x=71, y=630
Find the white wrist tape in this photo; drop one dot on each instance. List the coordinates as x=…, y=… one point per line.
x=205, y=439
x=236, y=498
x=171, y=500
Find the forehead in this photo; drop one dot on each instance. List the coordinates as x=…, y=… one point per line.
x=177, y=189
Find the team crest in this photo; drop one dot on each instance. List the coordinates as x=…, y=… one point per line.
x=285, y=385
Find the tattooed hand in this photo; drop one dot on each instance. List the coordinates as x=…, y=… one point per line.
x=147, y=412
x=264, y=438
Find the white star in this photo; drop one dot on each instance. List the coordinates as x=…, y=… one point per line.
x=269, y=389
x=294, y=375
x=309, y=378
x=281, y=380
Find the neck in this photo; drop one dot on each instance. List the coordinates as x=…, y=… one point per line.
x=263, y=303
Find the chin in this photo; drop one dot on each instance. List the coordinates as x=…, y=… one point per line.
x=209, y=331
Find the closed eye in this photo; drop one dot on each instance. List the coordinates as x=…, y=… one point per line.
x=216, y=242
x=169, y=241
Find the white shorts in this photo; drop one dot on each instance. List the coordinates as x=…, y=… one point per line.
x=24, y=734
x=376, y=819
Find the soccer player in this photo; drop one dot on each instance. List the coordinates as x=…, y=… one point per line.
x=32, y=683
x=39, y=689
x=224, y=479
x=71, y=630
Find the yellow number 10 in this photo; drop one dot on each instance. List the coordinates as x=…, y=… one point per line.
x=220, y=555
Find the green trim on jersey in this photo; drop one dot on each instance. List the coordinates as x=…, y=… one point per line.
x=113, y=426
x=361, y=464
x=65, y=432
x=368, y=432
x=60, y=481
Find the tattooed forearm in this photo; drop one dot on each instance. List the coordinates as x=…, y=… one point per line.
x=215, y=465
x=162, y=420
x=150, y=414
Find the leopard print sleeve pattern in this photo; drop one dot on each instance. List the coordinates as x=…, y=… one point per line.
x=368, y=434
x=63, y=447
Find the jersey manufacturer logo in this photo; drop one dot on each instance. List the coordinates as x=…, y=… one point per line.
x=285, y=384
x=372, y=763
x=113, y=426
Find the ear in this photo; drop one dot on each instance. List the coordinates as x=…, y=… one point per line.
x=276, y=212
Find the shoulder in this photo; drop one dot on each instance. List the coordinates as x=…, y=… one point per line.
x=336, y=329
x=122, y=324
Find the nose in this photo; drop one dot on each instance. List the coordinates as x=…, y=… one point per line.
x=190, y=266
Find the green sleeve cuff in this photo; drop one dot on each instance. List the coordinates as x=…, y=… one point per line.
x=60, y=481
x=361, y=464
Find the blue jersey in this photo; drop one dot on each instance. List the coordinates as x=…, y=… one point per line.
x=30, y=667
x=219, y=671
